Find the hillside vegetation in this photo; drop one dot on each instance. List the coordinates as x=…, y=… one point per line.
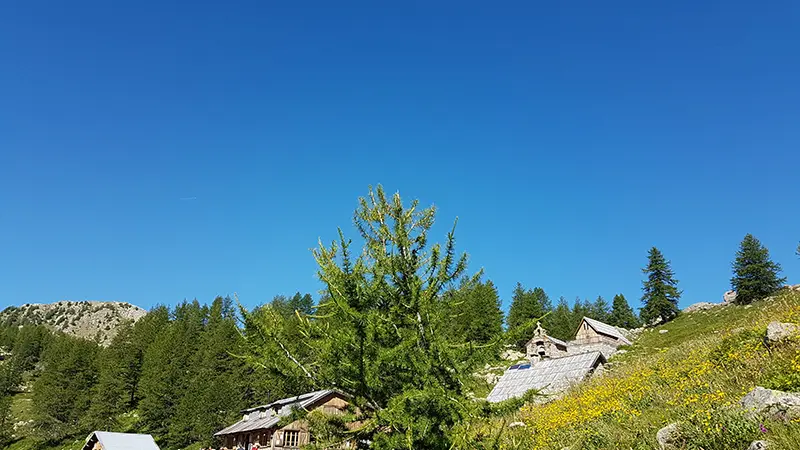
x=94, y=320
x=692, y=371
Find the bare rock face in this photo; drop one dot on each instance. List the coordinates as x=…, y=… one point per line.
x=777, y=405
x=668, y=437
x=777, y=331
x=84, y=319
x=702, y=306
x=512, y=355
x=729, y=297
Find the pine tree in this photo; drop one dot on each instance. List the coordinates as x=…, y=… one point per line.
x=214, y=392
x=755, y=275
x=660, y=290
x=111, y=396
x=580, y=309
x=6, y=421
x=288, y=306
x=63, y=392
x=159, y=389
x=622, y=314
x=10, y=378
x=30, y=343
x=474, y=310
x=527, y=307
x=599, y=310
x=559, y=323
x=144, y=334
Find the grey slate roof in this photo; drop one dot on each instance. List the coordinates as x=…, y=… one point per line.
x=549, y=376
x=608, y=330
x=265, y=416
x=557, y=341
x=121, y=441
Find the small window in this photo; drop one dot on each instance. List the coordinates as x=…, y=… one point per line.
x=291, y=439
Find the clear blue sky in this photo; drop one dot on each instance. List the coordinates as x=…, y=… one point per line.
x=153, y=151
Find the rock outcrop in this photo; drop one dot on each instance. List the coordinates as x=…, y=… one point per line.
x=777, y=405
x=668, y=437
x=777, y=331
x=512, y=355
x=702, y=306
x=84, y=319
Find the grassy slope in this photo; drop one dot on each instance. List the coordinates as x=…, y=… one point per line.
x=693, y=374
x=21, y=411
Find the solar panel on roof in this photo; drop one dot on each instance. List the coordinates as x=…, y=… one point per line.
x=549, y=376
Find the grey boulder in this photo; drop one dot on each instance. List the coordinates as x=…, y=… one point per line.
x=777, y=331
x=668, y=436
x=777, y=405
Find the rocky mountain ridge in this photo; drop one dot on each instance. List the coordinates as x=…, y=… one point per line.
x=98, y=320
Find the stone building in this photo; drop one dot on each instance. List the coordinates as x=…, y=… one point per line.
x=556, y=365
x=263, y=425
x=543, y=346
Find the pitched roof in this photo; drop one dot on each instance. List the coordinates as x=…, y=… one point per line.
x=265, y=416
x=121, y=441
x=549, y=376
x=557, y=341
x=608, y=330
x=551, y=339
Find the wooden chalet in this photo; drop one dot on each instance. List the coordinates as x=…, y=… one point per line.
x=593, y=331
x=260, y=425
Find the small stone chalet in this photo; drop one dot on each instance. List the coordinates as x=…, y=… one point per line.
x=556, y=365
x=104, y=440
x=260, y=425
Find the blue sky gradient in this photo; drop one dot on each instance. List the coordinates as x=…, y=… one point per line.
x=152, y=152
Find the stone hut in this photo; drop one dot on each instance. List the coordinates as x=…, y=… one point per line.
x=556, y=365
x=542, y=346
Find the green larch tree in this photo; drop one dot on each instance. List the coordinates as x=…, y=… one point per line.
x=380, y=334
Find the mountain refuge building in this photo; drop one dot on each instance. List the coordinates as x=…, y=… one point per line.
x=263, y=426
x=556, y=365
